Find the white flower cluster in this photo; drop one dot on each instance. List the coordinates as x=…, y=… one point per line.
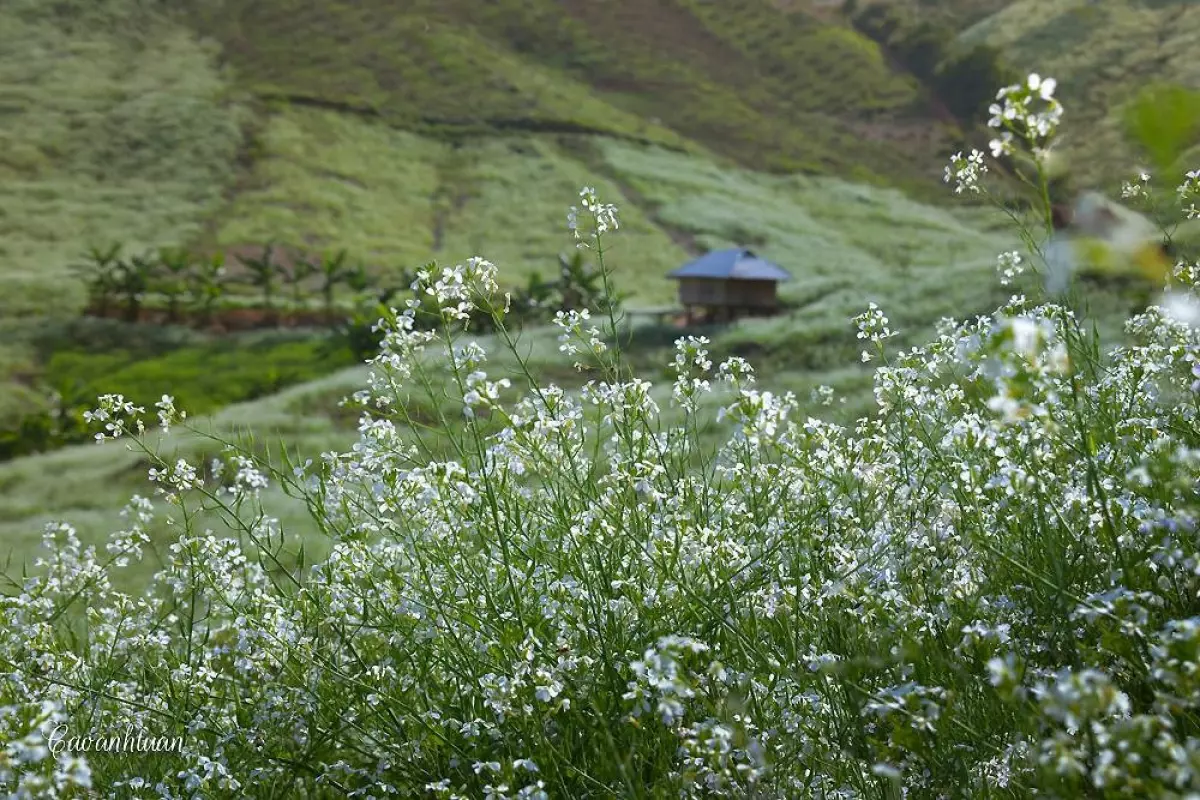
x=1026, y=112
x=574, y=334
x=1189, y=194
x=1010, y=265
x=28, y=768
x=458, y=290
x=603, y=218
x=662, y=684
x=692, y=366
x=120, y=416
x=1137, y=188
x=966, y=171
x=985, y=588
x=1028, y=364
x=873, y=326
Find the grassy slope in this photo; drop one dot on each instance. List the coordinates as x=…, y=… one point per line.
x=117, y=127
x=845, y=244
x=767, y=88
x=397, y=199
x=958, y=14
x=114, y=125
x=1102, y=52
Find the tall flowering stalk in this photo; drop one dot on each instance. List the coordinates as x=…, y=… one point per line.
x=598, y=219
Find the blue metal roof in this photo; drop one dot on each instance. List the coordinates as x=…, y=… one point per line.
x=735, y=264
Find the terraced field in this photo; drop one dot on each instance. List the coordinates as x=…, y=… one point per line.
x=769, y=89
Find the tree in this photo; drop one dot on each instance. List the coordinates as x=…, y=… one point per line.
x=302, y=269
x=263, y=274
x=533, y=300
x=582, y=286
x=206, y=285
x=357, y=279
x=172, y=274
x=99, y=271
x=333, y=272
x=132, y=278
x=966, y=81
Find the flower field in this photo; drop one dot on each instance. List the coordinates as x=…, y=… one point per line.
x=988, y=587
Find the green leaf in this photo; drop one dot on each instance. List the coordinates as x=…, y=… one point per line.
x=1164, y=120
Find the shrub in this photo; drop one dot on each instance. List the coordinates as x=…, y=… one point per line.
x=170, y=276
x=987, y=588
x=207, y=377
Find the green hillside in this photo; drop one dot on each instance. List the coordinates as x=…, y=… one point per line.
x=1103, y=55
x=767, y=88
x=398, y=199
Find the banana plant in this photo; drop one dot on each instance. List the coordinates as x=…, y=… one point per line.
x=302, y=269
x=333, y=272
x=582, y=286
x=532, y=301
x=99, y=270
x=263, y=274
x=133, y=277
x=206, y=285
x=172, y=278
x=357, y=279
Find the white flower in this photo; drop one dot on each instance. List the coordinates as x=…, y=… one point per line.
x=1044, y=88
x=1028, y=111
x=1001, y=145
x=965, y=172
x=1190, y=190
x=1010, y=266
x=1136, y=188
x=604, y=216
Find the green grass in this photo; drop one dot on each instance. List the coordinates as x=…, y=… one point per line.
x=119, y=128
x=203, y=377
x=957, y=13
x=88, y=483
x=397, y=199
x=327, y=180
x=413, y=67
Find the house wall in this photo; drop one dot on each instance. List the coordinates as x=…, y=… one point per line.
x=716, y=292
